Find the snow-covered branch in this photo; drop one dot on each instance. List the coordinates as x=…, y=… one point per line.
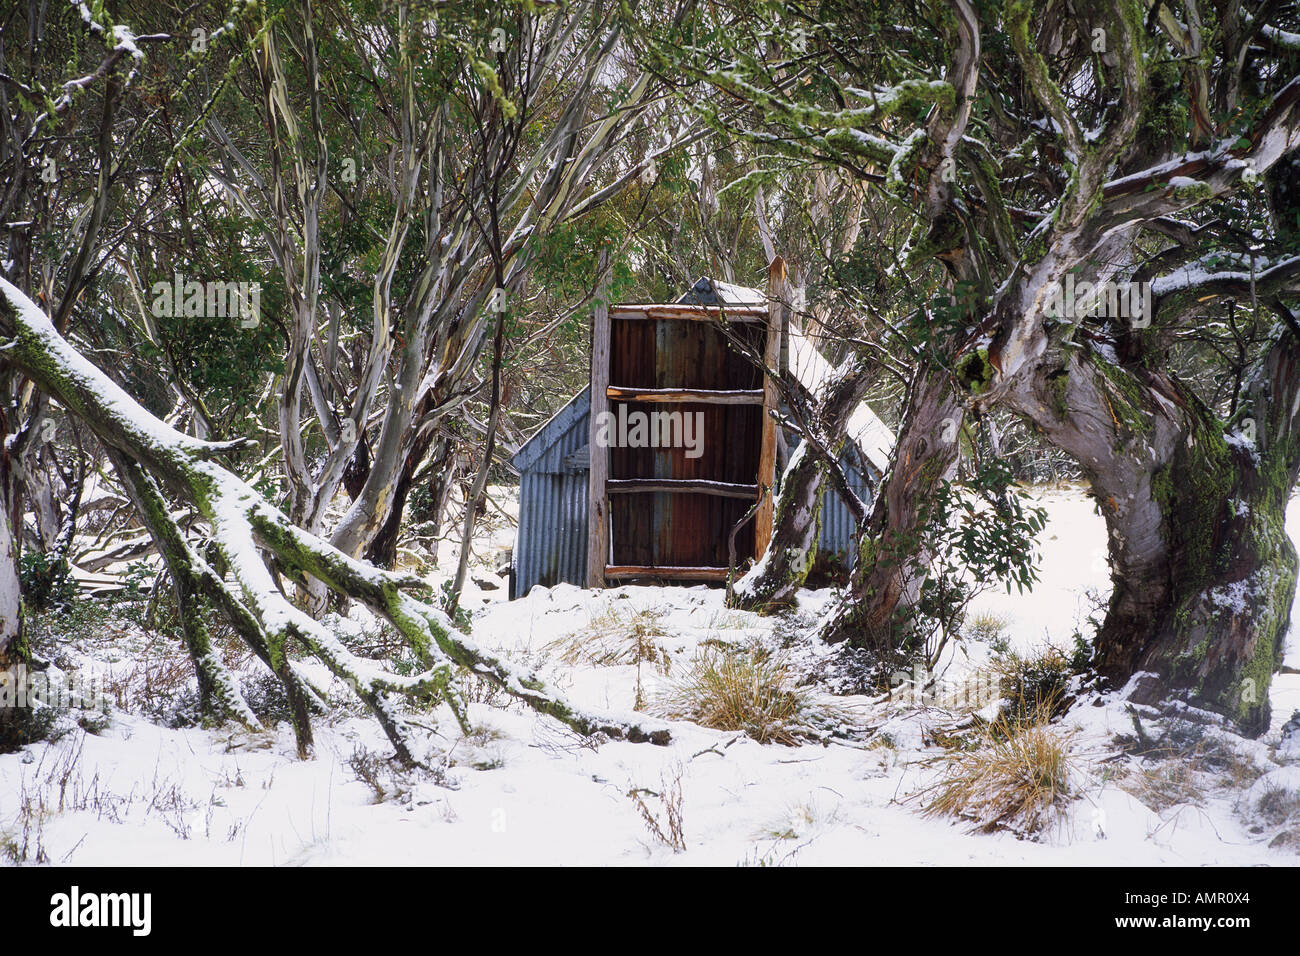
x=242, y=522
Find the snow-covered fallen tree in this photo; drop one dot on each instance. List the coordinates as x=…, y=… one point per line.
x=152, y=458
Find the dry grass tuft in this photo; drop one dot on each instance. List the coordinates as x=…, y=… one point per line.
x=1180, y=761
x=1036, y=686
x=747, y=691
x=1164, y=785
x=1278, y=806
x=1020, y=779
x=985, y=627
x=612, y=639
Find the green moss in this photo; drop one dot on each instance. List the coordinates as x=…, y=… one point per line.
x=1165, y=115
x=1193, y=192
x=866, y=552
x=944, y=235
x=989, y=177
x=19, y=651
x=1193, y=491
x=975, y=372
x=1126, y=397
x=1059, y=384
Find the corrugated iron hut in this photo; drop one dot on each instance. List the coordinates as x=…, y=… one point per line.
x=669, y=488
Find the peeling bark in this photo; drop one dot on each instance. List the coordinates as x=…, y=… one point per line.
x=873, y=613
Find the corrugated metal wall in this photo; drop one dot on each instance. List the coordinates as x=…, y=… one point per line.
x=552, y=542
x=551, y=546
x=837, y=521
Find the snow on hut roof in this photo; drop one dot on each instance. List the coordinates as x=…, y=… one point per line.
x=708, y=291
x=866, y=429
x=809, y=366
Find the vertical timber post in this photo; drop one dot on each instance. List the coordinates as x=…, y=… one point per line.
x=776, y=296
x=597, y=504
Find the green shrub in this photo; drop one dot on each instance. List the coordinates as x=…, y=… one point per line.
x=461, y=617
x=1035, y=684
x=46, y=581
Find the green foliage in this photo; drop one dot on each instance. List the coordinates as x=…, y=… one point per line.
x=1166, y=118
x=422, y=502
x=566, y=259
x=1035, y=685
x=975, y=533
x=74, y=621
x=459, y=616
x=137, y=578
x=46, y=581
x=23, y=726
x=985, y=519
x=224, y=361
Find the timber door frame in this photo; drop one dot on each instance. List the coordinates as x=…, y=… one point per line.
x=600, y=486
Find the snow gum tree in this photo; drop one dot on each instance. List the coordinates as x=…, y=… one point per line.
x=154, y=455
x=453, y=150
x=1141, y=155
x=228, y=547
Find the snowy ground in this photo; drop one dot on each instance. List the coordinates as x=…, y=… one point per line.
x=521, y=791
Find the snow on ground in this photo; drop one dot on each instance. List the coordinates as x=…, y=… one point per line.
x=523, y=791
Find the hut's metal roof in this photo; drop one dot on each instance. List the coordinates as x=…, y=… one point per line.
x=708, y=291
x=530, y=453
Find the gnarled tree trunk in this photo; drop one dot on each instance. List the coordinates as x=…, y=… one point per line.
x=784, y=565
x=872, y=614
x=1203, y=571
